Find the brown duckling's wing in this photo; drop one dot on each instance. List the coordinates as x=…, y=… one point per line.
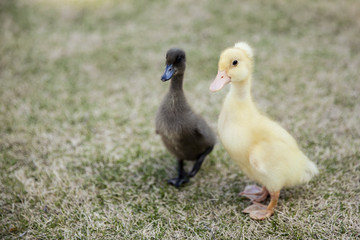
x=204, y=130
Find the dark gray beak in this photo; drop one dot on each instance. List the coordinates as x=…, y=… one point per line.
x=169, y=72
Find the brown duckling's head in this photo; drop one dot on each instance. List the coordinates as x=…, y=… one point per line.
x=175, y=63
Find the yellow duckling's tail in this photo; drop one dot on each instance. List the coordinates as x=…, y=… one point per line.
x=310, y=171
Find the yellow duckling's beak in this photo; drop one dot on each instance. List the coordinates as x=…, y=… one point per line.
x=220, y=81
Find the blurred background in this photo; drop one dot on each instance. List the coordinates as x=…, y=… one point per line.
x=80, y=85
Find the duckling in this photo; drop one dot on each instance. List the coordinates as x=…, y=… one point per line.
x=185, y=134
x=265, y=151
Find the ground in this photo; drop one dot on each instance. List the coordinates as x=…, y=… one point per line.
x=79, y=88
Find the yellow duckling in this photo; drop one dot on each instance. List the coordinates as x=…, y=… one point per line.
x=265, y=151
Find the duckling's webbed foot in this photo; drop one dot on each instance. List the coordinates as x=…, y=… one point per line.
x=255, y=193
x=177, y=182
x=259, y=211
x=200, y=161
x=182, y=176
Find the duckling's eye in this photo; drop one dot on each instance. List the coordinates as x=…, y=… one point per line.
x=179, y=59
x=235, y=62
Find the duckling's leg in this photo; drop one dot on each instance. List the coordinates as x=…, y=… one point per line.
x=259, y=211
x=182, y=176
x=255, y=193
x=199, y=161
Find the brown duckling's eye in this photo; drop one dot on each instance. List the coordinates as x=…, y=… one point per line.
x=235, y=62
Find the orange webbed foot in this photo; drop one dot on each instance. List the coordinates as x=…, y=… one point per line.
x=255, y=193
x=254, y=207
x=261, y=214
x=259, y=211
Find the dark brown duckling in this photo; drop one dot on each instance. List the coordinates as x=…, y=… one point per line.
x=185, y=134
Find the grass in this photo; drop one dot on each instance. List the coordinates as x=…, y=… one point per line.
x=79, y=87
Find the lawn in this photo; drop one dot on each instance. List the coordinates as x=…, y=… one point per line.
x=80, y=86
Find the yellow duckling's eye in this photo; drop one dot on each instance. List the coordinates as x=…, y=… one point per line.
x=235, y=62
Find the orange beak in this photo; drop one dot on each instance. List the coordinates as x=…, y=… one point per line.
x=220, y=81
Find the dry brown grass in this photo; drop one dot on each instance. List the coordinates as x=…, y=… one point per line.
x=79, y=87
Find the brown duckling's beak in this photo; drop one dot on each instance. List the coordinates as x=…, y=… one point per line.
x=169, y=72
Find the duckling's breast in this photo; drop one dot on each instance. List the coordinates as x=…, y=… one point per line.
x=235, y=137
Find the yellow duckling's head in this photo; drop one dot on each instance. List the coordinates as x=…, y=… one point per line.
x=235, y=66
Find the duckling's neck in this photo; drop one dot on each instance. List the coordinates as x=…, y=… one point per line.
x=175, y=99
x=176, y=84
x=241, y=91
